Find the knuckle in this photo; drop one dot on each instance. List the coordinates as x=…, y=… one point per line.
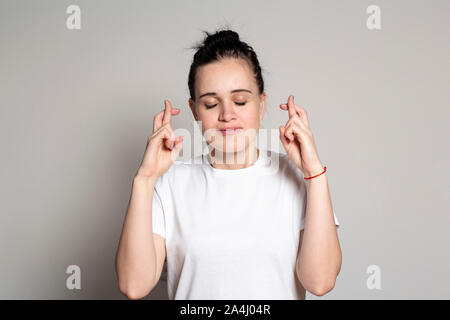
x=164, y=130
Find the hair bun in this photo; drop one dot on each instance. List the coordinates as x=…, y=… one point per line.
x=221, y=44
x=220, y=36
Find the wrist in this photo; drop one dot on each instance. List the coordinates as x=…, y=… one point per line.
x=314, y=171
x=319, y=180
x=148, y=181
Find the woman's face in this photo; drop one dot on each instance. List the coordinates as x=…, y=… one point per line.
x=227, y=97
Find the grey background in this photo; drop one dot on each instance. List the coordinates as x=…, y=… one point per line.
x=77, y=108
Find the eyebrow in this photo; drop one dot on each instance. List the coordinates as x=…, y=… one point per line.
x=214, y=93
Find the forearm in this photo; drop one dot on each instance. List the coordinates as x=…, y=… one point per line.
x=136, y=255
x=320, y=255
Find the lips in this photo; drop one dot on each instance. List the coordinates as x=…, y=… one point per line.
x=230, y=130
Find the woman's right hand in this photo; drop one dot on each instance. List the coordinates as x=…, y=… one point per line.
x=162, y=148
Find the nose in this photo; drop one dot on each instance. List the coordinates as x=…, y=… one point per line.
x=227, y=112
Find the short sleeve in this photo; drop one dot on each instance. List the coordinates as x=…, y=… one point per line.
x=336, y=221
x=158, y=220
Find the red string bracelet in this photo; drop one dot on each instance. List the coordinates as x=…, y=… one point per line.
x=324, y=170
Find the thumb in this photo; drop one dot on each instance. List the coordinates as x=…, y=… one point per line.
x=178, y=146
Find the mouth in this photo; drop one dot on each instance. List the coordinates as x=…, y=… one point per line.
x=230, y=131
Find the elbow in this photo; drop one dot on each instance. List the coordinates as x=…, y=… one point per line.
x=134, y=288
x=321, y=290
x=134, y=294
x=318, y=287
x=319, y=284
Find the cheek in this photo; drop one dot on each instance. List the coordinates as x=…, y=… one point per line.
x=250, y=118
x=206, y=121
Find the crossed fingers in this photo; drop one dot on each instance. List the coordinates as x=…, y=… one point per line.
x=164, y=118
x=298, y=124
x=295, y=110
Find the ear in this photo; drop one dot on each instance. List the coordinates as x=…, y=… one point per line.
x=262, y=106
x=192, y=106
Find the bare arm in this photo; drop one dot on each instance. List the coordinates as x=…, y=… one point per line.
x=141, y=255
x=319, y=260
x=136, y=255
x=319, y=257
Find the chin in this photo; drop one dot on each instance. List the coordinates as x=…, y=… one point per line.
x=227, y=146
x=231, y=143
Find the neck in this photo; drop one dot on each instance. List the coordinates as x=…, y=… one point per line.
x=233, y=160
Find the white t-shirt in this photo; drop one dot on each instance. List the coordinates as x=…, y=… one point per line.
x=231, y=234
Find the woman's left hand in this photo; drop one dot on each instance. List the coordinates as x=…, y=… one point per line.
x=298, y=141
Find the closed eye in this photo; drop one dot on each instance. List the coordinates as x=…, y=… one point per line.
x=212, y=106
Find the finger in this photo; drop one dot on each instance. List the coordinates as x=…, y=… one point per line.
x=283, y=139
x=293, y=130
x=176, y=151
x=162, y=135
x=178, y=140
x=157, y=120
x=289, y=127
x=288, y=133
x=300, y=111
x=298, y=122
x=179, y=145
x=167, y=112
x=166, y=134
x=291, y=107
x=170, y=141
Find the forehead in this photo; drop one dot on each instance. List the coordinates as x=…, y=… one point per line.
x=223, y=76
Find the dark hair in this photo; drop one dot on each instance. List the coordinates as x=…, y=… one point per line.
x=223, y=44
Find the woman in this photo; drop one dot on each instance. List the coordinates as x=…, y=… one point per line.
x=229, y=225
